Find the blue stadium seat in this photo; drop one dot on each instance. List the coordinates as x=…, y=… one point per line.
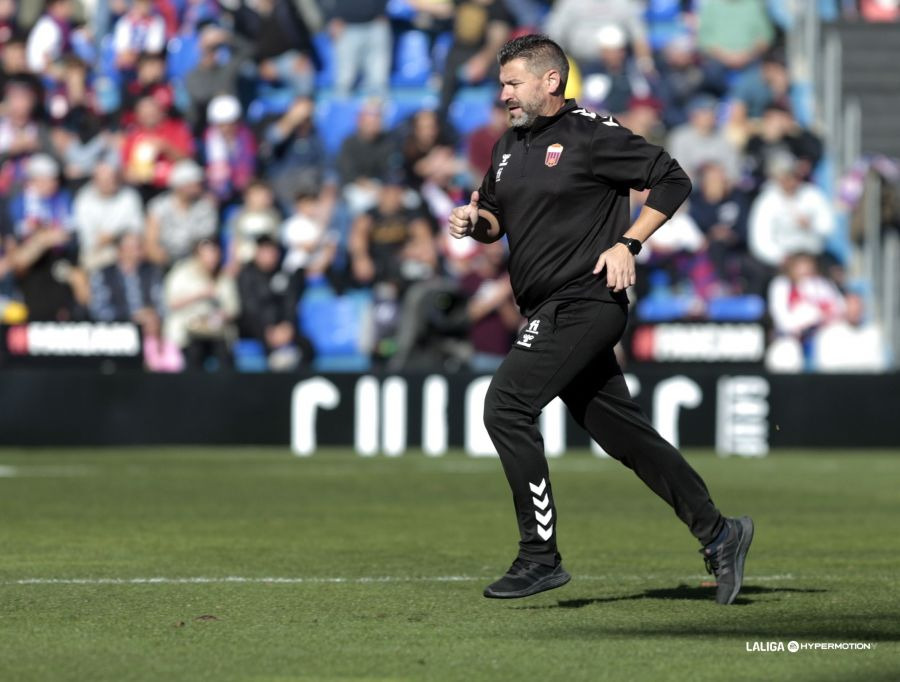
x=335, y=325
x=335, y=120
x=400, y=10
x=404, y=103
x=748, y=308
x=271, y=102
x=183, y=54
x=664, y=308
x=106, y=65
x=412, y=62
x=440, y=50
x=250, y=356
x=325, y=50
x=471, y=108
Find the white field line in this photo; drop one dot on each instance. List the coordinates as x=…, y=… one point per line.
x=361, y=580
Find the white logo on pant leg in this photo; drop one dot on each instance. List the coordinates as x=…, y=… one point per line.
x=542, y=501
x=528, y=335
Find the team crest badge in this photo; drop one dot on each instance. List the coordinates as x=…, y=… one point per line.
x=554, y=151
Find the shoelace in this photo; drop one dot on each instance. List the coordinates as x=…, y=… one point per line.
x=519, y=566
x=711, y=561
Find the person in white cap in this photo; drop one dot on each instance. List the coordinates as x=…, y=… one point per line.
x=230, y=149
x=179, y=218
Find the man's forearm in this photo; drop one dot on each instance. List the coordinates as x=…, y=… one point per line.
x=648, y=222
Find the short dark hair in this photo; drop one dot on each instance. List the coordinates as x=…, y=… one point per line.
x=539, y=52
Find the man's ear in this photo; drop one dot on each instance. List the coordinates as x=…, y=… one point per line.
x=553, y=81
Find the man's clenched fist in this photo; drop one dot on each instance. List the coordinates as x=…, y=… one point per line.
x=463, y=218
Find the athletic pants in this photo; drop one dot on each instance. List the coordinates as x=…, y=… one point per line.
x=566, y=350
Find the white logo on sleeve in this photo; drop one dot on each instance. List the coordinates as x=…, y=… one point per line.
x=503, y=162
x=605, y=120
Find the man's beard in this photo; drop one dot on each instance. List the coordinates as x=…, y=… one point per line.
x=528, y=112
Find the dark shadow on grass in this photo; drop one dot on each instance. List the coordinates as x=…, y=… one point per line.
x=680, y=593
x=838, y=626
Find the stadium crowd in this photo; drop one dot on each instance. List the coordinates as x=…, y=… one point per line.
x=265, y=183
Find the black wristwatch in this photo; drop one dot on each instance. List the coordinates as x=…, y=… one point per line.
x=634, y=245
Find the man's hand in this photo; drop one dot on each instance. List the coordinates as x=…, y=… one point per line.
x=619, y=264
x=463, y=218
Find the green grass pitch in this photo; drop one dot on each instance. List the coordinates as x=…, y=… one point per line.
x=384, y=560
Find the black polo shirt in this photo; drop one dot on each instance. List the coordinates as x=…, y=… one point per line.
x=560, y=192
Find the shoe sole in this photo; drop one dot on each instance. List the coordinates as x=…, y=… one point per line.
x=552, y=581
x=743, y=547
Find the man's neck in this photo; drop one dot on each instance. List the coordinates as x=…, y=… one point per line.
x=554, y=104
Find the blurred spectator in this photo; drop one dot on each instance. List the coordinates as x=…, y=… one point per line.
x=21, y=132
x=680, y=253
x=699, y=141
x=256, y=218
x=229, y=149
x=643, y=118
x=14, y=63
x=575, y=24
x=152, y=146
x=51, y=36
x=202, y=303
x=852, y=343
x=681, y=78
x=733, y=34
x=130, y=288
x=294, y=155
x=778, y=131
x=221, y=58
x=610, y=79
x=9, y=26
x=491, y=310
x=760, y=88
x=480, y=143
x=268, y=307
x=141, y=29
x=789, y=216
x=105, y=209
x=879, y=10
x=387, y=243
x=179, y=218
x=720, y=211
x=426, y=139
x=307, y=246
x=282, y=44
x=365, y=156
x=150, y=81
x=38, y=234
x=801, y=300
x=480, y=29
x=362, y=43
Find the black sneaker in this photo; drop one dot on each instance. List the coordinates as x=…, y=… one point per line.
x=525, y=578
x=726, y=559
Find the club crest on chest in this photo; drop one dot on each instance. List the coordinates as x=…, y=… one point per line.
x=554, y=152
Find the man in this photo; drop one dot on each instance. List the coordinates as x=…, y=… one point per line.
x=789, y=215
x=558, y=189
x=105, y=209
x=700, y=141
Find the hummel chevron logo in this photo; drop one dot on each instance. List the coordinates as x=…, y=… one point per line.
x=542, y=501
x=538, y=489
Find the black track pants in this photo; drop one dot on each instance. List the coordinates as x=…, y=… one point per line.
x=566, y=350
